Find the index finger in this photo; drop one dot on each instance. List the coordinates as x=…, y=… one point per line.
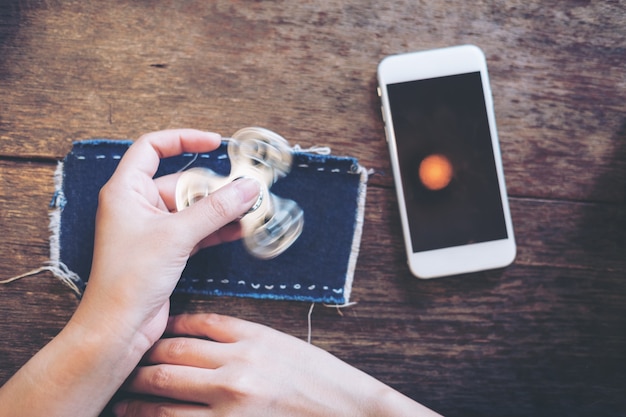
x=144, y=155
x=216, y=327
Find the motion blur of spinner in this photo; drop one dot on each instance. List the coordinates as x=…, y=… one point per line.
x=273, y=224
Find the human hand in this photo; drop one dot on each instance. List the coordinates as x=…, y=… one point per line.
x=141, y=246
x=246, y=369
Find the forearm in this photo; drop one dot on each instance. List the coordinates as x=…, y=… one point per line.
x=75, y=374
x=372, y=398
x=351, y=391
x=394, y=404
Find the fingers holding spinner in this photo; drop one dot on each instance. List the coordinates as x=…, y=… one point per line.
x=220, y=208
x=145, y=154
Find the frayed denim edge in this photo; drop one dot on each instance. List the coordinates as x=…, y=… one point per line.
x=58, y=268
x=358, y=232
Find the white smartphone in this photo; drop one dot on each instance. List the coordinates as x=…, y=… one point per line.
x=441, y=131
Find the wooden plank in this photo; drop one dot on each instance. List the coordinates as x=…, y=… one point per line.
x=523, y=341
x=528, y=342
x=308, y=71
x=26, y=189
x=549, y=233
x=470, y=345
x=546, y=336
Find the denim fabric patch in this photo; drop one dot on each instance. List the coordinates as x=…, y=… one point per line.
x=319, y=267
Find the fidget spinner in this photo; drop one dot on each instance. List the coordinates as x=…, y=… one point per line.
x=272, y=224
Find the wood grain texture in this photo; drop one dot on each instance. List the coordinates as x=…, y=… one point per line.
x=546, y=336
x=80, y=70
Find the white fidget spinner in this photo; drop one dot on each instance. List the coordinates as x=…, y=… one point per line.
x=273, y=223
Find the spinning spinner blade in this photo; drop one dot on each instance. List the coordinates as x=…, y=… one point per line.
x=272, y=225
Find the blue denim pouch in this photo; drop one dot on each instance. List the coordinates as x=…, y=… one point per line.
x=319, y=267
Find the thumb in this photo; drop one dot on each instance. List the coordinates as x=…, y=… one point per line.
x=220, y=208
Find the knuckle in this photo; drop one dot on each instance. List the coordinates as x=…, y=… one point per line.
x=160, y=380
x=139, y=408
x=221, y=206
x=211, y=320
x=111, y=191
x=105, y=192
x=241, y=385
x=163, y=410
x=176, y=349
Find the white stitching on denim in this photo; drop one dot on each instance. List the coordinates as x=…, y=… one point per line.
x=257, y=286
x=241, y=282
x=208, y=156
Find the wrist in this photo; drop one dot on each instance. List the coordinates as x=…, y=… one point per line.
x=105, y=339
x=75, y=374
x=109, y=326
x=125, y=313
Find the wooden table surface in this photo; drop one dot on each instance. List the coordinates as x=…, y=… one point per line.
x=546, y=336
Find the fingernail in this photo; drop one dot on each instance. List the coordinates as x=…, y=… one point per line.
x=214, y=135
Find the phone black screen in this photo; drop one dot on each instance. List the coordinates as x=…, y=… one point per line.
x=452, y=199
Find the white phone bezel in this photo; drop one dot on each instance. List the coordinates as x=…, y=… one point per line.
x=431, y=64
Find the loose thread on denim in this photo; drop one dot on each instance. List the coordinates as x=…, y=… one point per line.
x=27, y=274
x=56, y=271
x=188, y=164
x=310, y=331
x=310, y=316
x=339, y=307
